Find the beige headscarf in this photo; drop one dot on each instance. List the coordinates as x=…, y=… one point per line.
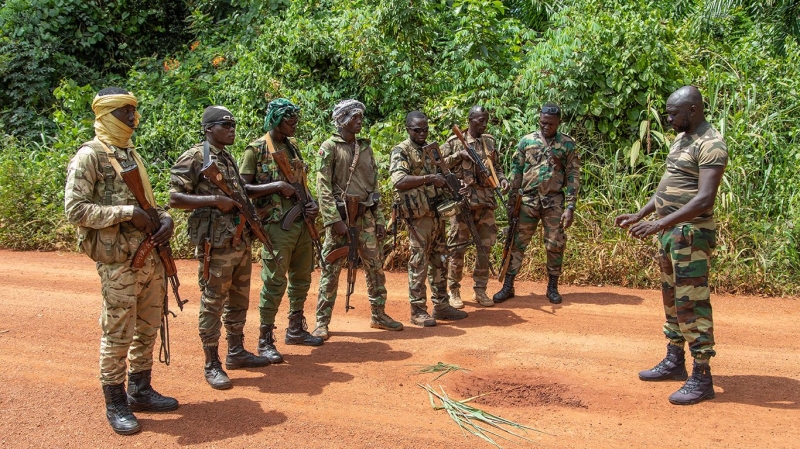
x=108, y=129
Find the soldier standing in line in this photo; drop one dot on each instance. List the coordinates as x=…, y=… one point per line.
x=684, y=203
x=111, y=226
x=273, y=198
x=482, y=205
x=222, y=245
x=547, y=170
x=418, y=190
x=346, y=166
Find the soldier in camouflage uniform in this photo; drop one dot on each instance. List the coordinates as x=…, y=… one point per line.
x=215, y=219
x=111, y=226
x=346, y=165
x=419, y=188
x=546, y=168
x=482, y=205
x=294, y=254
x=684, y=203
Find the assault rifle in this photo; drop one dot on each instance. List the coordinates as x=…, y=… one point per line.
x=513, y=227
x=351, y=206
x=454, y=185
x=211, y=171
x=304, y=198
x=134, y=182
x=488, y=173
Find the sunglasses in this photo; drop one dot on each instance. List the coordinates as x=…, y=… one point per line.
x=551, y=110
x=419, y=130
x=226, y=124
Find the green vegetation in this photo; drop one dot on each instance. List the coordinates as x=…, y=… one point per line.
x=611, y=64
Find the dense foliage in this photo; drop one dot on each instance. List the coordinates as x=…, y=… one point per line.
x=611, y=64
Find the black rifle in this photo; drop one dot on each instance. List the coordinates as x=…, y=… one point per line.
x=454, y=185
x=513, y=227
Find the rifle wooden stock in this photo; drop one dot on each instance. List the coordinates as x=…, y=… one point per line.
x=303, y=196
x=513, y=227
x=212, y=173
x=337, y=254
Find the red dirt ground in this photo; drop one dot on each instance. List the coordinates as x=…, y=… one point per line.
x=569, y=371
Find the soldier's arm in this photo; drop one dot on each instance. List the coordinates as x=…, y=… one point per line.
x=184, y=177
x=451, y=153
x=572, y=174
x=247, y=170
x=80, y=209
x=518, y=165
x=327, y=202
x=380, y=219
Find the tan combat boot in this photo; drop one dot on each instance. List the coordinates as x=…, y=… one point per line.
x=482, y=299
x=380, y=320
x=455, y=299
x=321, y=331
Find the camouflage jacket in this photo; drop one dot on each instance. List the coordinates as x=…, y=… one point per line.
x=688, y=154
x=257, y=161
x=543, y=172
x=91, y=203
x=408, y=159
x=480, y=194
x=186, y=178
x=333, y=171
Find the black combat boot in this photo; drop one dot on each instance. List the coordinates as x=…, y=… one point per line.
x=697, y=388
x=297, y=332
x=420, y=317
x=445, y=311
x=215, y=375
x=143, y=398
x=507, y=292
x=117, y=411
x=238, y=357
x=552, y=290
x=266, y=344
x=673, y=367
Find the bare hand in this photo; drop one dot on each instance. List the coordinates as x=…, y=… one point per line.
x=312, y=210
x=142, y=221
x=464, y=190
x=339, y=228
x=504, y=186
x=164, y=232
x=225, y=204
x=439, y=181
x=566, y=218
x=380, y=232
x=642, y=229
x=464, y=155
x=625, y=220
x=286, y=190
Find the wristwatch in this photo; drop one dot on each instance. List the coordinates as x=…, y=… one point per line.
x=571, y=207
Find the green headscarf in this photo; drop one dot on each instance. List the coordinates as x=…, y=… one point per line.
x=276, y=110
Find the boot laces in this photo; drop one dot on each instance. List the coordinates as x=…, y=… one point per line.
x=691, y=384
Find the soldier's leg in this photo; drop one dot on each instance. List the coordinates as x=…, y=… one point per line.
x=692, y=260
x=419, y=236
x=437, y=270
x=234, y=313
x=213, y=294
x=149, y=308
x=117, y=320
x=299, y=283
x=487, y=231
x=554, y=239
x=329, y=279
x=369, y=250
x=528, y=221
x=457, y=236
x=273, y=272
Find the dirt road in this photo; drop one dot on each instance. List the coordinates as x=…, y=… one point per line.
x=569, y=371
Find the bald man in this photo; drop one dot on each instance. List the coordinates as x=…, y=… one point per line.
x=684, y=204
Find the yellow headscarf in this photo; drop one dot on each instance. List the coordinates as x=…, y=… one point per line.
x=108, y=129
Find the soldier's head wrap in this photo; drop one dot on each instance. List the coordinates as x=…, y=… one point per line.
x=107, y=127
x=345, y=110
x=277, y=110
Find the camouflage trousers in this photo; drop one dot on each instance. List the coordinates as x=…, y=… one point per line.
x=684, y=259
x=130, y=317
x=226, y=293
x=554, y=237
x=293, y=249
x=427, y=245
x=459, y=235
x=371, y=258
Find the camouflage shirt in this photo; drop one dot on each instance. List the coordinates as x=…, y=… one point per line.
x=86, y=187
x=687, y=156
x=408, y=159
x=257, y=161
x=543, y=172
x=333, y=171
x=480, y=194
x=186, y=178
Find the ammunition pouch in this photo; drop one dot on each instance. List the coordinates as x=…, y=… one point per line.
x=108, y=245
x=417, y=202
x=447, y=209
x=210, y=222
